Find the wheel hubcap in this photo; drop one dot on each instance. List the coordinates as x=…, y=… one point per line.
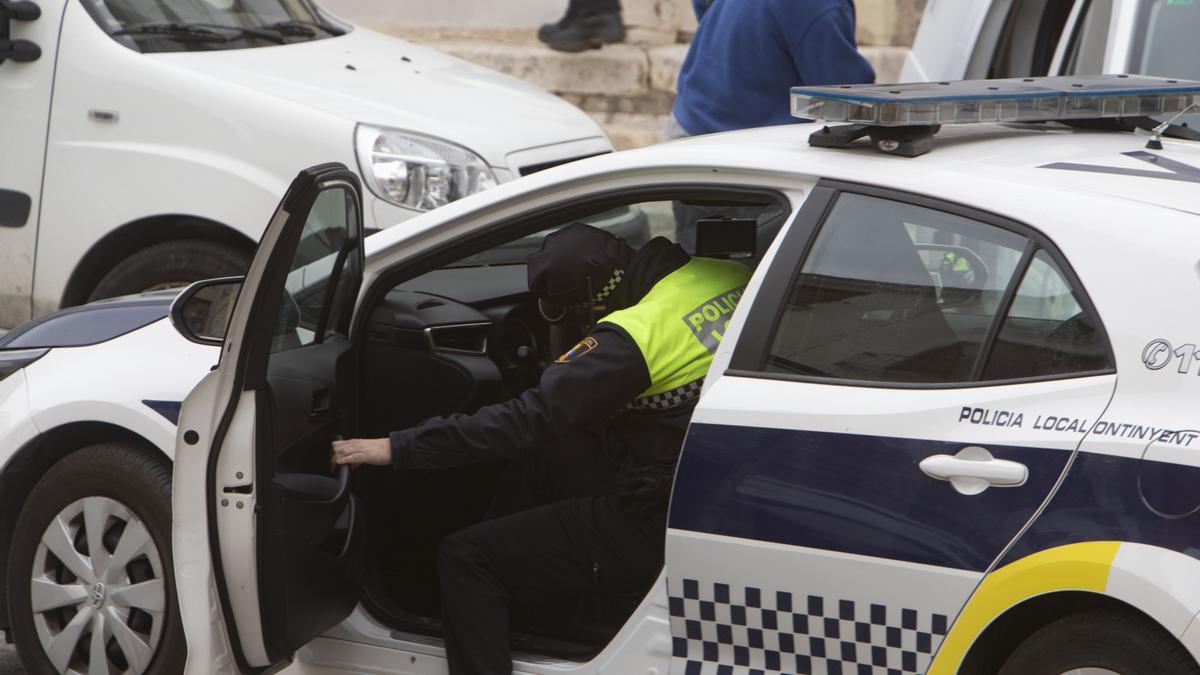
x=98, y=590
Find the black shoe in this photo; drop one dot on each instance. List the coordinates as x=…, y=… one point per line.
x=575, y=34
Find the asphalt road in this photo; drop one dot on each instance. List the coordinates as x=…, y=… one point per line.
x=9, y=665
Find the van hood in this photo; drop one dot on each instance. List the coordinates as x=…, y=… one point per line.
x=371, y=78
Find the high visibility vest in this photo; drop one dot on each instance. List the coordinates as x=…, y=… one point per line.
x=679, y=324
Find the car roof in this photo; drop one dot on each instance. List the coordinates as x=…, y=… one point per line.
x=1025, y=158
x=1004, y=169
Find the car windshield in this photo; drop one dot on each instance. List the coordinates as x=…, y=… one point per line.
x=205, y=25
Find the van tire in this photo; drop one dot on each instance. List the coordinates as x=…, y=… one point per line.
x=1118, y=640
x=170, y=264
x=133, y=485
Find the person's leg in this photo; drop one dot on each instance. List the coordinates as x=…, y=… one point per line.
x=546, y=554
x=574, y=466
x=588, y=24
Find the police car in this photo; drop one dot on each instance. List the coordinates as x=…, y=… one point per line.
x=949, y=427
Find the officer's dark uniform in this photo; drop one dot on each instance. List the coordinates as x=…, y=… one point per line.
x=604, y=427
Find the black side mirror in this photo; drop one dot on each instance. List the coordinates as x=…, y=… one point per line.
x=201, y=312
x=21, y=51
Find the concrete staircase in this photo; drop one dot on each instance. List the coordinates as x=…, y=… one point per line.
x=629, y=88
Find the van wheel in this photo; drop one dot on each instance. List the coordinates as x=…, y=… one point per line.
x=90, y=583
x=1100, y=641
x=169, y=265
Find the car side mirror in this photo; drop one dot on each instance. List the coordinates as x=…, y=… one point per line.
x=201, y=312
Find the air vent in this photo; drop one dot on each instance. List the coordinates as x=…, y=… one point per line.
x=462, y=338
x=429, y=304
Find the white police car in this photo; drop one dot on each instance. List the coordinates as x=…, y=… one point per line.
x=949, y=427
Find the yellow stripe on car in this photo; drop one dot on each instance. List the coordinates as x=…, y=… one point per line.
x=1074, y=567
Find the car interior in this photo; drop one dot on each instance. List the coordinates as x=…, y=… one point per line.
x=459, y=330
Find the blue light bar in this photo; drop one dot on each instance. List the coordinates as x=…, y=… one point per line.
x=1031, y=99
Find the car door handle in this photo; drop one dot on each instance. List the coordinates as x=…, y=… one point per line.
x=973, y=470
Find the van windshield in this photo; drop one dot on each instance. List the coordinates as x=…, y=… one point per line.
x=206, y=25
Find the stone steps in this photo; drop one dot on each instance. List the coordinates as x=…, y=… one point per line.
x=628, y=88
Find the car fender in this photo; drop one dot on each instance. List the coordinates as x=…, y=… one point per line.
x=1162, y=583
x=135, y=381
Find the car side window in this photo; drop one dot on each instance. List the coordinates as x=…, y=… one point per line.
x=894, y=292
x=310, y=308
x=1046, y=330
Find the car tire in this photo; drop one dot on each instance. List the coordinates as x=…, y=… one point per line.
x=171, y=264
x=1109, y=639
x=128, y=593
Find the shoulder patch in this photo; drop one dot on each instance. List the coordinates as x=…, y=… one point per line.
x=586, y=345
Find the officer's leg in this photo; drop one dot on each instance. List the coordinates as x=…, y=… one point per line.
x=573, y=466
x=551, y=551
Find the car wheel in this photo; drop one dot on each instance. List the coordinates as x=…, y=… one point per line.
x=170, y=265
x=1100, y=642
x=90, y=583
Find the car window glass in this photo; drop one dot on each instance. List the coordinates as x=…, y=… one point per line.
x=321, y=255
x=1164, y=43
x=1029, y=38
x=1090, y=41
x=1046, y=330
x=639, y=222
x=214, y=24
x=893, y=292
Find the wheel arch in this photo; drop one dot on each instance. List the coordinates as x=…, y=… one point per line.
x=994, y=645
x=137, y=235
x=31, y=462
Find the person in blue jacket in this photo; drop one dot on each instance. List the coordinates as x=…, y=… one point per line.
x=748, y=54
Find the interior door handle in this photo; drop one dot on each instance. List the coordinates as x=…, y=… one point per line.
x=973, y=470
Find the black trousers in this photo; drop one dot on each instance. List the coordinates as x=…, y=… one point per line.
x=580, y=542
x=585, y=7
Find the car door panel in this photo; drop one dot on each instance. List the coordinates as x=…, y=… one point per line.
x=824, y=466
x=289, y=537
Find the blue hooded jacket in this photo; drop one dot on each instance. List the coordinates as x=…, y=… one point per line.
x=748, y=54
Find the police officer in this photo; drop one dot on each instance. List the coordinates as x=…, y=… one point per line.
x=596, y=441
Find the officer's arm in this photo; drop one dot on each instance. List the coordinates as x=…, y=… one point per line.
x=594, y=383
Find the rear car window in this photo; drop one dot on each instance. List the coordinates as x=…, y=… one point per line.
x=893, y=292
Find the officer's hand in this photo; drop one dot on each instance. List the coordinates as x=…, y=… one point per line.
x=356, y=451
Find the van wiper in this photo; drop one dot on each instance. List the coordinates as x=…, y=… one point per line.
x=200, y=31
x=299, y=27
x=175, y=30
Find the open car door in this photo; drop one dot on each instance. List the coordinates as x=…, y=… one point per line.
x=285, y=534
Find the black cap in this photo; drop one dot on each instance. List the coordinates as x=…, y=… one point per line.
x=573, y=261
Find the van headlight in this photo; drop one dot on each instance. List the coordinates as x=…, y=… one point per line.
x=418, y=172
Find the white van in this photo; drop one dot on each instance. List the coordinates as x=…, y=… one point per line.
x=144, y=143
x=968, y=39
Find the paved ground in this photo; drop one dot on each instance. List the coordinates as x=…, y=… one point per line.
x=9, y=665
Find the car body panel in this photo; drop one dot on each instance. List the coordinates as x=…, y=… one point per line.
x=370, y=78
x=1124, y=221
x=129, y=134
x=102, y=383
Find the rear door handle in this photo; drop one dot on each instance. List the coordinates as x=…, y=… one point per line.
x=973, y=470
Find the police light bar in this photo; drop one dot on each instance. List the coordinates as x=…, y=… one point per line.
x=1031, y=99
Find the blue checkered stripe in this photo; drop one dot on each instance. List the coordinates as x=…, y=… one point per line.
x=720, y=630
